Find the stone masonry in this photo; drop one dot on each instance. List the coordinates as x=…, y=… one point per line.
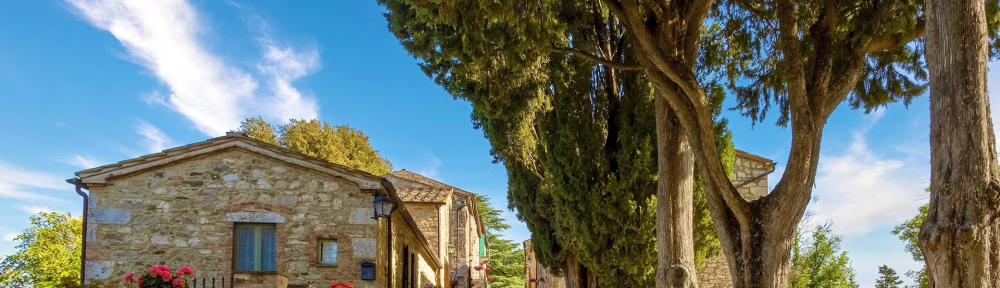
x=180, y=208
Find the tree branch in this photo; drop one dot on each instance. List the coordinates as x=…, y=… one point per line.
x=606, y=62
x=898, y=39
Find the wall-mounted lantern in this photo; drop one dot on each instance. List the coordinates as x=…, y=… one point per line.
x=383, y=206
x=367, y=270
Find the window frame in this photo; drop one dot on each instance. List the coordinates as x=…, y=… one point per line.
x=319, y=251
x=258, y=248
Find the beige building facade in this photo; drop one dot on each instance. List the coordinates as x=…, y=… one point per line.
x=448, y=215
x=255, y=214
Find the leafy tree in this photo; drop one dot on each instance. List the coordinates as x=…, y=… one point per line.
x=909, y=232
x=578, y=135
x=506, y=256
x=960, y=237
x=48, y=252
x=888, y=278
x=820, y=263
x=338, y=144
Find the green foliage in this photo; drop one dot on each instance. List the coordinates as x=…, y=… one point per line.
x=888, y=278
x=577, y=139
x=506, y=256
x=48, y=252
x=338, y=144
x=820, y=263
x=909, y=232
x=741, y=46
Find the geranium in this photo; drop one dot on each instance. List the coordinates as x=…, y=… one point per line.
x=489, y=278
x=478, y=267
x=161, y=276
x=341, y=285
x=487, y=269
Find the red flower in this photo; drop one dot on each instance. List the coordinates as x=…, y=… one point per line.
x=487, y=269
x=128, y=278
x=165, y=275
x=179, y=283
x=140, y=280
x=185, y=270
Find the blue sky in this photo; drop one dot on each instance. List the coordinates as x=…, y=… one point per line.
x=85, y=83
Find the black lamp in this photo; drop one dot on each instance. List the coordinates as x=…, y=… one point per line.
x=383, y=206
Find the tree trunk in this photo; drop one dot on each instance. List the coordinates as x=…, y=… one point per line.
x=961, y=237
x=674, y=201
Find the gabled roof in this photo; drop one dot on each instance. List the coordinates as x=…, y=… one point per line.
x=424, y=195
x=231, y=141
x=431, y=183
x=754, y=157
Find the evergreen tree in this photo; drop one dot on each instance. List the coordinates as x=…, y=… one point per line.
x=820, y=263
x=506, y=256
x=578, y=138
x=909, y=231
x=48, y=253
x=888, y=278
x=338, y=144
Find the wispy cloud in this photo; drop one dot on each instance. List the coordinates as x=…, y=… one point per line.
x=9, y=237
x=33, y=210
x=165, y=37
x=431, y=170
x=155, y=139
x=861, y=191
x=81, y=161
x=20, y=184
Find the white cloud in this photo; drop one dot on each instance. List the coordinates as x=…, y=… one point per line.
x=165, y=37
x=9, y=237
x=33, y=210
x=431, y=170
x=861, y=191
x=22, y=185
x=155, y=139
x=85, y=162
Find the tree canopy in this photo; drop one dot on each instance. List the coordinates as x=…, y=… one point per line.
x=47, y=253
x=577, y=137
x=820, y=263
x=909, y=232
x=338, y=144
x=887, y=278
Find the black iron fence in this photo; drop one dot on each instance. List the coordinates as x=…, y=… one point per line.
x=208, y=283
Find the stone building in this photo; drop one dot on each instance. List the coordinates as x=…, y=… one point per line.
x=536, y=275
x=750, y=178
x=234, y=207
x=449, y=218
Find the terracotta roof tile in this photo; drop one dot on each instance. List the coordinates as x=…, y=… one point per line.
x=427, y=195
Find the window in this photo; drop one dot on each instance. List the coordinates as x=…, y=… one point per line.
x=256, y=247
x=327, y=252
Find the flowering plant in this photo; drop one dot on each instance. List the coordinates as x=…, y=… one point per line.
x=489, y=278
x=478, y=267
x=160, y=276
x=341, y=285
x=487, y=269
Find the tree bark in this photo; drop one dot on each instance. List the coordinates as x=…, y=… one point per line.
x=674, y=202
x=960, y=238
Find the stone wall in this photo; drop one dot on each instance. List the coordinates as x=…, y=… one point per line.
x=750, y=177
x=404, y=239
x=184, y=214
